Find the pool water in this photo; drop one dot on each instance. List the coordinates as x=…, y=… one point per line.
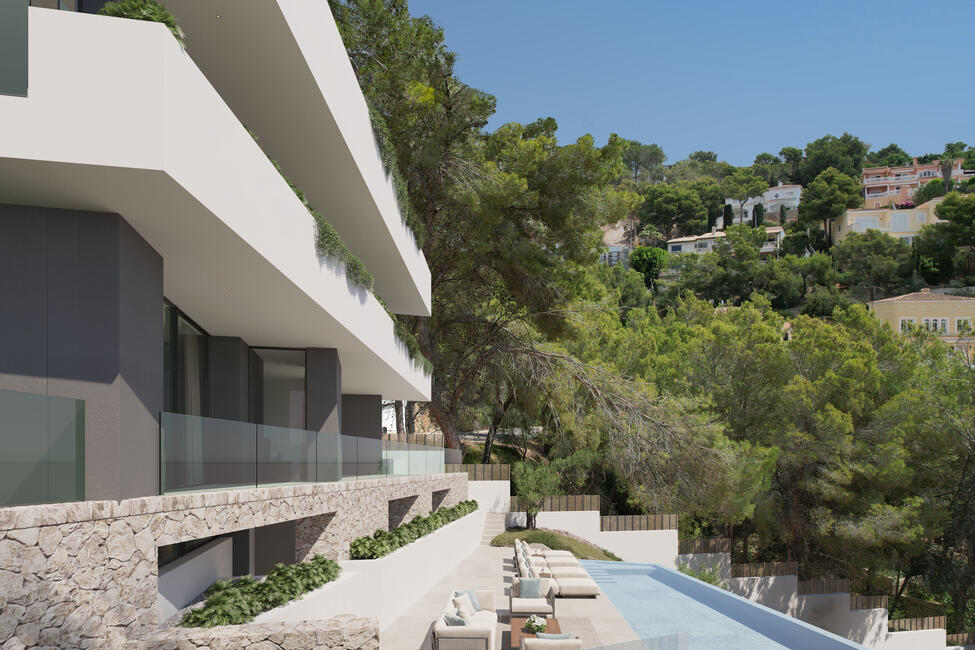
x=665, y=617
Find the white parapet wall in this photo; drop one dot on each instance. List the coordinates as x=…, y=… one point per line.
x=650, y=546
x=387, y=587
x=189, y=576
x=491, y=496
x=832, y=613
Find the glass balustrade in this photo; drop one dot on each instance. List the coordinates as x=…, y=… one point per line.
x=42, y=439
x=198, y=453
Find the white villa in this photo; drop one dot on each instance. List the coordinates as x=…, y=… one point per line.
x=772, y=199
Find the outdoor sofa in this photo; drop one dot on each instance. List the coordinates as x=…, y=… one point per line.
x=478, y=634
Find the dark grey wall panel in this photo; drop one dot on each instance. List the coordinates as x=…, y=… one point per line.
x=228, y=377
x=323, y=390
x=13, y=47
x=140, y=353
x=23, y=301
x=85, y=302
x=273, y=544
x=362, y=415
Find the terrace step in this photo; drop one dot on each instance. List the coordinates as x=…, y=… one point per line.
x=494, y=525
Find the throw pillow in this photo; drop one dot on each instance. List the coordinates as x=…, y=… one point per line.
x=452, y=619
x=464, y=606
x=475, y=603
x=548, y=635
x=530, y=588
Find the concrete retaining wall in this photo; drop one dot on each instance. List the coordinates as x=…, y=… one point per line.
x=386, y=587
x=703, y=561
x=491, y=496
x=651, y=546
x=189, y=576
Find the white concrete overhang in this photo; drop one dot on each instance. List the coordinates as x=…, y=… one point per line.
x=282, y=68
x=119, y=119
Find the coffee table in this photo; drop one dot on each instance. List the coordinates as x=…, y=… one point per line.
x=518, y=631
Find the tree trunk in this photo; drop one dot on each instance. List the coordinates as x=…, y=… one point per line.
x=398, y=409
x=410, y=417
x=495, y=421
x=446, y=423
x=901, y=588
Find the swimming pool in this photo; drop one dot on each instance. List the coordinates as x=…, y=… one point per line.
x=668, y=609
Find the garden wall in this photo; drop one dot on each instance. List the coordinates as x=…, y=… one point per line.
x=188, y=577
x=491, y=496
x=703, y=561
x=386, y=587
x=339, y=633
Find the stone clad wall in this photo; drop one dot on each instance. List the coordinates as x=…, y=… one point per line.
x=84, y=575
x=340, y=633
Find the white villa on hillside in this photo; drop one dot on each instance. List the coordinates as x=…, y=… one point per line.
x=771, y=199
x=705, y=243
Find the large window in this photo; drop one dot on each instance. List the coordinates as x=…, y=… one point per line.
x=279, y=376
x=184, y=364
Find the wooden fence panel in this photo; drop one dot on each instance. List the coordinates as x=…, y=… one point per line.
x=480, y=472
x=561, y=503
x=764, y=569
x=965, y=638
x=824, y=586
x=638, y=522
x=914, y=624
x=704, y=545
x=868, y=602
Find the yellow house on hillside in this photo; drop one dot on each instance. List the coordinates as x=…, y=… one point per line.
x=903, y=224
x=950, y=317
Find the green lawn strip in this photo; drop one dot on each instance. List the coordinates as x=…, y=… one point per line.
x=384, y=542
x=556, y=542
x=232, y=602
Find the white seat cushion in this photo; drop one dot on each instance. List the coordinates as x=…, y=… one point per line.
x=530, y=606
x=568, y=572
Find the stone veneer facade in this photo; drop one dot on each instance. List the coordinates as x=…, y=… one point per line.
x=345, y=632
x=84, y=574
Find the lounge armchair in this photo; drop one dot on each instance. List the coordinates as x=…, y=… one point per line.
x=478, y=634
x=531, y=643
x=519, y=606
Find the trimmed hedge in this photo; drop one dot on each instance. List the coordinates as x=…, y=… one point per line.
x=384, y=542
x=235, y=602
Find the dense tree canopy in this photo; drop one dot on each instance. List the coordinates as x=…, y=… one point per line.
x=826, y=198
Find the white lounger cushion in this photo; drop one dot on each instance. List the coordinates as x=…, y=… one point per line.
x=577, y=587
x=562, y=561
x=558, y=554
x=568, y=572
x=530, y=606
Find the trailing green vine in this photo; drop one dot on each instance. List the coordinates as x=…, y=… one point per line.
x=387, y=154
x=330, y=244
x=232, y=602
x=149, y=10
x=384, y=542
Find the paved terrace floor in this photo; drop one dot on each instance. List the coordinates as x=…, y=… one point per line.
x=594, y=620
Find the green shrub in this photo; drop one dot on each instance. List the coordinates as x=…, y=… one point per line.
x=239, y=601
x=556, y=542
x=149, y=10
x=710, y=574
x=384, y=542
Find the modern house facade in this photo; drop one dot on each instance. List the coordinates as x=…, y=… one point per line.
x=772, y=199
x=176, y=341
x=902, y=223
x=884, y=186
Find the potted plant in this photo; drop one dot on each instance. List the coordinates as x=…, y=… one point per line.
x=535, y=624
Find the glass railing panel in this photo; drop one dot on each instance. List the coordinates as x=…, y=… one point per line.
x=350, y=456
x=286, y=455
x=370, y=457
x=329, y=457
x=43, y=442
x=198, y=453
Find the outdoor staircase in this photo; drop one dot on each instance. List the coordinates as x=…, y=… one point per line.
x=493, y=526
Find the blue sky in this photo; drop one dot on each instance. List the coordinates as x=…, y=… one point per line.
x=735, y=78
